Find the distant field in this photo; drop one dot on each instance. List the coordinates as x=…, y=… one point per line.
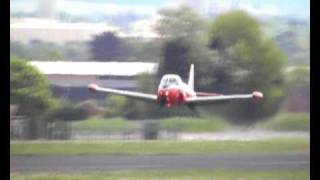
x=190, y=174
x=279, y=145
x=287, y=122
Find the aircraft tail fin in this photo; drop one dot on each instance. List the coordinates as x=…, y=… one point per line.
x=191, y=77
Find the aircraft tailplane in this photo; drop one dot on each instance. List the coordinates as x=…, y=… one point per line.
x=191, y=77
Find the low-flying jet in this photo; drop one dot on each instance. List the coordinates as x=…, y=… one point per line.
x=173, y=91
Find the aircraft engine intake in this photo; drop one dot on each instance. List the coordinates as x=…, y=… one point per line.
x=170, y=97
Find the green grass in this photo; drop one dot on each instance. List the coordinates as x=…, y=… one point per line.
x=106, y=125
x=287, y=122
x=185, y=124
x=169, y=174
x=279, y=145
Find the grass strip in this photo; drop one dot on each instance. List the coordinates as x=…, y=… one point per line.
x=158, y=147
x=170, y=174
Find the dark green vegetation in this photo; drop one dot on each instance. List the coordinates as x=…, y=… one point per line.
x=177, y=124
x=45, y=51
x=105, y=125
x=170, y=174
x=250, y=62
x=287, y=122
x=29, y=89
x=280, y=145
x=231, y=50
x=108, y=46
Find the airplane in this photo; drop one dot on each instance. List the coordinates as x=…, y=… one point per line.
x=173, y=91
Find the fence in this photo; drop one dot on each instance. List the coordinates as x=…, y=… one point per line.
x=22, y=128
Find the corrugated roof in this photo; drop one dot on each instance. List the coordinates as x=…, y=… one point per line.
x=94, y=68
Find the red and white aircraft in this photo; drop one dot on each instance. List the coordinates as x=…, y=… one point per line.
x=173, y=91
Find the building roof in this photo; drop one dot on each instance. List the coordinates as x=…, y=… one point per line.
x=94, y=68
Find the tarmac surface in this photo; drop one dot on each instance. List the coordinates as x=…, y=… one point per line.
x=22, y=163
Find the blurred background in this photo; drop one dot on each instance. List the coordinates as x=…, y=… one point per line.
x=58, y=47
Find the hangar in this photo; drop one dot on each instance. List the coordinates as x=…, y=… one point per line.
x=69, y=79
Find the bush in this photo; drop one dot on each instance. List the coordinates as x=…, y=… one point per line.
x=67, y=112
x=29, y=89
x=105, y=125
x=116, y=106
x=287, y=122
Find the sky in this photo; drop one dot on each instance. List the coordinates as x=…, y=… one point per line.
x=295, y=8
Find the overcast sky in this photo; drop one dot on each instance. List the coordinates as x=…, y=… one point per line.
x=297, y=8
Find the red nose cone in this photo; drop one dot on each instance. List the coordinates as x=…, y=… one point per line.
x=257, y=94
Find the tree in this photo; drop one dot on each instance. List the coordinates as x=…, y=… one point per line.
x=66, y=111
x=116, y=106
x=140, y=109
x=181, y=23
x=148, y=51
x=184, y=33
x=176, y=58
x=185, y=39
x=107, y=46
x=252, y=63
x=29, y=89
x=233, y=27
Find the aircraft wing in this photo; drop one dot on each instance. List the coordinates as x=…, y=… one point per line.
x=221, y=98
x=130, y=94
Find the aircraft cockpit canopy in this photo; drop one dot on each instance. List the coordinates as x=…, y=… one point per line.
x=170, y=80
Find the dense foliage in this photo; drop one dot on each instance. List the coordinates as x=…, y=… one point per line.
x=236, y=59
x=107, y=47
x=29, y=89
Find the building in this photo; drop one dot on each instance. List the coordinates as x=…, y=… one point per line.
x=50, y=30
x=69, y=80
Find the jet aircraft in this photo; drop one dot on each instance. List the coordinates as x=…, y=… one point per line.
x=173, y=91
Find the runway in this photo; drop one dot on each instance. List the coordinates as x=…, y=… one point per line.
x=158, y=162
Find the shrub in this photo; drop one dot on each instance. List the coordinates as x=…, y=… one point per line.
x=287, y=122
x=116, y=106
x=105, y=125
x=67, y=112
